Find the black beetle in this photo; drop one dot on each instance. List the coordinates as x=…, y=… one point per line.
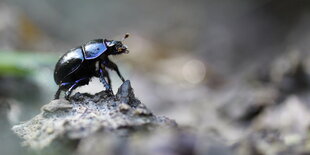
x=79, y=65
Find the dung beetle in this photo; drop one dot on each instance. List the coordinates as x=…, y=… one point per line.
x=76, y=67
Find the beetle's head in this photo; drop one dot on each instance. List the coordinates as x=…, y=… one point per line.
x=117, y=47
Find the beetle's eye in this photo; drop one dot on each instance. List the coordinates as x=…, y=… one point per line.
x=118, y=45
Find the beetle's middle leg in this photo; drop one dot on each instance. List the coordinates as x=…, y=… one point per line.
x=102, y=80
x=107, y=75
x=76, y=84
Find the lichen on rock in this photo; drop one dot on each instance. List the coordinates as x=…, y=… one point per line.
x=87, y=114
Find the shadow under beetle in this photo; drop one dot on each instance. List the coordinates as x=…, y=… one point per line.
x=76, y=67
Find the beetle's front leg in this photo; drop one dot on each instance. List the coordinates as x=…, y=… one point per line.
x=102, y=80
x=114, y=67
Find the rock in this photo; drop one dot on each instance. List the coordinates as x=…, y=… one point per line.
x=183, y=141
x=85, y=115
x=244, y=105
x=123, y=107
x=126, y=95
x=55, y=105
x=273, y=141
x=288, y=73
x=280, y=129
x=291, y=117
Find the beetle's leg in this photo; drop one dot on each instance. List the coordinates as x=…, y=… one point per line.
x=68, y=93
x=106, y=74
x=57, y=93
x=61, y=87
x=102, y=80
x=77, y=83
x=113, y=66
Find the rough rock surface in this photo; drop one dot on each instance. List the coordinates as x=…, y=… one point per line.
x=87, y=114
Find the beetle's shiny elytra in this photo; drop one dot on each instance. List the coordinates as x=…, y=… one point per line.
x=77, y=66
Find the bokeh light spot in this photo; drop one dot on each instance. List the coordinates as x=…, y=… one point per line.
x=194, y=71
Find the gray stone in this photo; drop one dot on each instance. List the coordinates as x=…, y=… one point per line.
x=87, y=114
x=55, y=105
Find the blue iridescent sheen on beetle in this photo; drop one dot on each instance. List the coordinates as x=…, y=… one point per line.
x=94, y=49
x=76, y=67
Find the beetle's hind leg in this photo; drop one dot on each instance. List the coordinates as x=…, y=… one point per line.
x=76, y=84
x=62, y=86
x=57, y=94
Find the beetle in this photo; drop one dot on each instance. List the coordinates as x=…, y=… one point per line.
x=78, y=65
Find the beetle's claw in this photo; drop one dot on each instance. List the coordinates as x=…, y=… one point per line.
x=122, y=78
x=110, y=92
x=67, y=95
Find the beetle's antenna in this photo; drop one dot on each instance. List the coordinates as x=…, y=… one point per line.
x=126, y=36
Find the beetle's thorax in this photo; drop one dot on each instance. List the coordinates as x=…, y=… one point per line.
x=94, y=49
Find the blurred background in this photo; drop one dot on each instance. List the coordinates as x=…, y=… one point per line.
x=228, y=69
